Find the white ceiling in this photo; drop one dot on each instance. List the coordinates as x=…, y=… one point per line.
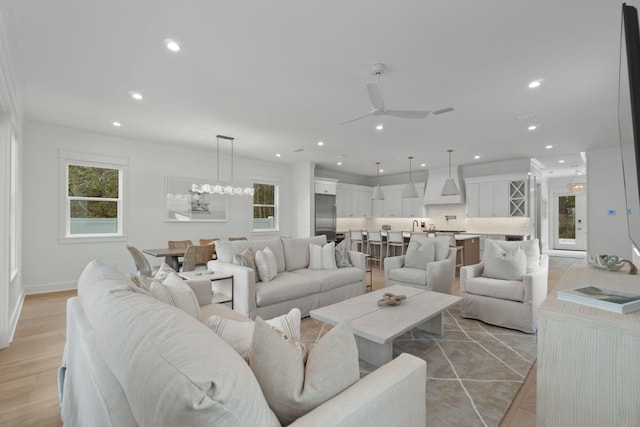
x=279, y=75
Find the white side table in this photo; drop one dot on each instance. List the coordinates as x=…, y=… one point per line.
x=213, y=276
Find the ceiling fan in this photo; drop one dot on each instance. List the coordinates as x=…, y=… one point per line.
x=377, y=102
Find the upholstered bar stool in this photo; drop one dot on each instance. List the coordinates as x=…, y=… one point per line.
x=357, y=237
x=374, y=246
x=395, y=240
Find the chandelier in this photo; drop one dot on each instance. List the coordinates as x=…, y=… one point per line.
x=219, y=187
x=575, y=186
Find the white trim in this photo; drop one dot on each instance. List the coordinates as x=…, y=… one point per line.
x=15, y=316
x=45, y=288
x=275, y=182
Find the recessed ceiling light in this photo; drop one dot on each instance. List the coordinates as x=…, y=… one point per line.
x=320, y=143
x=423, y=165
x=476, y=157
x=277, y=154
x=381, y=170
x=534, y=84
x=560, y=161
x=339, y=163
x=380, y=127
x=136, y=95
x=172, y=45
x=548, y=147
x=117, y=124
x=532, y=127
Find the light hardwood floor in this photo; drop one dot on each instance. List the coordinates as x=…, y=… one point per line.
x=28, y=367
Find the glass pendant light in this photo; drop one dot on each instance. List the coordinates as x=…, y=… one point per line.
x=410, y=190
x=377, y=192
x=450, y=188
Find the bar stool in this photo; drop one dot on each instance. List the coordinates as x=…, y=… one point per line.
x=357, y=237
x=374, y=239
x=395, y=240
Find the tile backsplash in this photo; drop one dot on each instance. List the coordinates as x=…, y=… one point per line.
x=437, y=215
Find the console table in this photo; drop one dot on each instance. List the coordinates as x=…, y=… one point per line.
x=588, y=358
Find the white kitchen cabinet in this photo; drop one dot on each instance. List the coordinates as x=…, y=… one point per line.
x=353, y=201
x=392, y=202
x=414, y=207
x=490, y=199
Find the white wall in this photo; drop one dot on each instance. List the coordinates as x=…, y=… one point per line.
x=303, y=200
x=54, y=265
x=607, y=234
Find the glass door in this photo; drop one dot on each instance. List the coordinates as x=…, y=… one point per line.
x=569, y=228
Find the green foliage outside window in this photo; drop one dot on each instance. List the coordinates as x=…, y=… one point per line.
x=264, y=206
x=567, y=217
x=90, y=182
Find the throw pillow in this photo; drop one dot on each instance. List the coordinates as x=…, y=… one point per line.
x=163, y=272
x=531, y=250
x=239, y=335
x=500, y=264
x=141, y=282
x=174, y=291
x=322, y=257
x=420, y=252
x=267, y=264
x=295, y=381
x=342, y=255
x=247, y=258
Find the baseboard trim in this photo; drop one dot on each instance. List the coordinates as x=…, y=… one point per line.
x=46, y=288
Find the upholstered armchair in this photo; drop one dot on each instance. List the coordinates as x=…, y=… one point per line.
x=507, y=287
x=428, y=264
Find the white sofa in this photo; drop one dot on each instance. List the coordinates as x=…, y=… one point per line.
x=132, y=360
x=431, y=269
x=295, y=286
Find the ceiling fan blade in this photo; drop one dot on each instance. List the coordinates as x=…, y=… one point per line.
x=355, y=118
x=407, y=114
x=375, y=96
x=443, y=110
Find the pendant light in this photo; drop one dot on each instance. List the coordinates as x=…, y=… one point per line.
x=576, y=185
x=450, y=188
x=410, y=190
x=377, y=192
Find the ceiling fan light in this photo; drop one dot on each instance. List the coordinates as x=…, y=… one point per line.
x=377, y=193
x=450, y=188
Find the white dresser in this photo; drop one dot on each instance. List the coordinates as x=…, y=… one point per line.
x=588, y=359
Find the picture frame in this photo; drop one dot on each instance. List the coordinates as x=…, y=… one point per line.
x=183, y=205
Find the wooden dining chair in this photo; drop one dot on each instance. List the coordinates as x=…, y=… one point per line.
x=196, y=256
x=141, y=262
x=212, y=243
x=183, y=244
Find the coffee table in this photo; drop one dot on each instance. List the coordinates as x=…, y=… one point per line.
x=376, y=326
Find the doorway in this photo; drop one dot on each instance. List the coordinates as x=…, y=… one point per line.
x=569, y=221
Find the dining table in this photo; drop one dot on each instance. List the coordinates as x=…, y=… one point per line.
x=170, y=255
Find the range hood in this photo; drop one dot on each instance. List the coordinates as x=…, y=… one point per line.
x=435, y=182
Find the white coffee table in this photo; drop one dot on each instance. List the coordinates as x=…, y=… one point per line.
x=376, y=326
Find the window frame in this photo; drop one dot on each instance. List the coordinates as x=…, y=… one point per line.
x=98, y=161
x=276, y=208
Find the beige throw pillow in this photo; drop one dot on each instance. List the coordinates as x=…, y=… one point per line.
x=293, y=381
x=174, y=291
x=247, y=258
x=163, y=272
x=502, y=264
x=239, y=335
x=322, y=257
x=267, y=264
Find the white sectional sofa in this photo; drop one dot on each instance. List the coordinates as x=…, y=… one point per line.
x=131, y=360
x=295, y=286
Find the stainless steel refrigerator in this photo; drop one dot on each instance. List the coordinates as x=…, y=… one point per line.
x=326, y=216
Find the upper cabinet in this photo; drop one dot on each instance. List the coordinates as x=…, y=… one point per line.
x=496, y=197
x=435, y=182
x=326, y=186
x=353, y=201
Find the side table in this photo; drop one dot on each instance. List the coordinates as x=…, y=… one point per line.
x=213, y=276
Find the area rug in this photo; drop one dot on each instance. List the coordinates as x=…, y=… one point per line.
x=473, y=372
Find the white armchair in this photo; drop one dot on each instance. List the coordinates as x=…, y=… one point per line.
x=429, y=264
x=508, y=303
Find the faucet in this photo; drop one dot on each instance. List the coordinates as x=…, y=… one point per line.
x=413, y=224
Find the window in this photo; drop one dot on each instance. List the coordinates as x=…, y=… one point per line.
x=265, y=206
x=93, y=196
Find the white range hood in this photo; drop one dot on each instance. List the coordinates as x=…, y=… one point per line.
x=435, y=182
